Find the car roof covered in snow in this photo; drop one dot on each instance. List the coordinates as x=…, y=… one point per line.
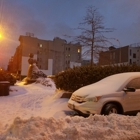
x=109, y=84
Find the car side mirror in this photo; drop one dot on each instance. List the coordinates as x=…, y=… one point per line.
x=129, y=89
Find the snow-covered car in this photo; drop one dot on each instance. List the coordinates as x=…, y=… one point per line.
x=119, y=93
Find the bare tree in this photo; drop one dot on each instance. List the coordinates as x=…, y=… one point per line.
x=92, y=33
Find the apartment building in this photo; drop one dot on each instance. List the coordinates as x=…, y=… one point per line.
x=52, y=56
x=129, y=54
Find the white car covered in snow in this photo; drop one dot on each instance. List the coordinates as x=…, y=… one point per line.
x=119, y=93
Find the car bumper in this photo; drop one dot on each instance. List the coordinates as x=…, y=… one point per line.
x=86, y=107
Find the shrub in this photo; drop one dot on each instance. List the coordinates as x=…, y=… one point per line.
x=77, y=77
x=5, y=76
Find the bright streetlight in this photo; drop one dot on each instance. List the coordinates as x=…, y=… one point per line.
x=0, y=36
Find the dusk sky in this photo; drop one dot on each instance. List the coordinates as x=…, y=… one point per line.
x=47, y=19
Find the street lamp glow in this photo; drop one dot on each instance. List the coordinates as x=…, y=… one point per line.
x=0, y=35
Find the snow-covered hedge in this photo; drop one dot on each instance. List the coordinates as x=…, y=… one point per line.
x=74, y=78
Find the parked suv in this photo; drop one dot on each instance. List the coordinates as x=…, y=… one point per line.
x=119, y=93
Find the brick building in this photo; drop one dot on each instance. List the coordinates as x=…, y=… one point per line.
x=125, y=55
x=52, y=56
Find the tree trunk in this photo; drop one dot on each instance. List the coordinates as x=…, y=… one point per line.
x=91, y=64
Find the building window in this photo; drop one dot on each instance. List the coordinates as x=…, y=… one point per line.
x=130, y=52
x=130, y=61
x=78, y=50
x=110, y=56
x=113, y=55
x=40, y=45
x=68, y=61
x=79, y=57
x=134, y=55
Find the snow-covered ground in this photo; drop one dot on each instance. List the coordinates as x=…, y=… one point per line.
x=36, y=112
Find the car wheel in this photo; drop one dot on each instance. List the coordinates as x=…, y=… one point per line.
x=110, y=108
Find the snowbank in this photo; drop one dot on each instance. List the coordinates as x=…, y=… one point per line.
x=97, y=127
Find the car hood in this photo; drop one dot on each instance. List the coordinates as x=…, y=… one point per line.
x=107, y=85
x=97, y=89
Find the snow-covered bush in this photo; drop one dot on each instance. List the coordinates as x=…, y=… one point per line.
x=74, y=78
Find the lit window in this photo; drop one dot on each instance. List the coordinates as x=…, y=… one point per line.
x=78, y=50
x=40, y=45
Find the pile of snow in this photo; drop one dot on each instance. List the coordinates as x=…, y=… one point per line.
x=112, y=127
x=36, y=112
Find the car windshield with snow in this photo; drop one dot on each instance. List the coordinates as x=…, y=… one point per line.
x=119, y=93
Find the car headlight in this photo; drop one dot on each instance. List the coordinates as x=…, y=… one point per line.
x=93, y=99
